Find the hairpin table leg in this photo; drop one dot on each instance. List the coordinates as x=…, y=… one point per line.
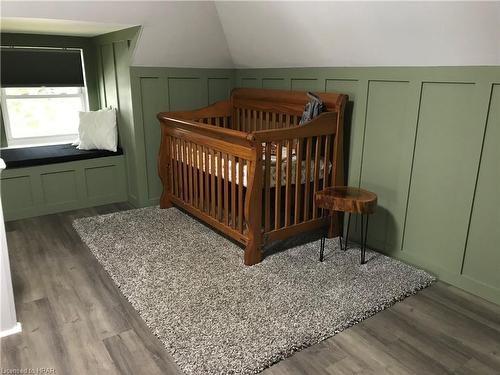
x=363, y=239
x=346, y=234
x=322, y=249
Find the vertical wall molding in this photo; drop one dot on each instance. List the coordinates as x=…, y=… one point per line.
x=486, y=101
x=417, y=117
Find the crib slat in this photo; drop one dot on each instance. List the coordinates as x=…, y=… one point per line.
x=190, y=171
x=207, y=180
x=226, y=189
x=236, y=118
x=288, y=192
x=254, y=114
x=217, y=122
x=201, y=201
x=287, y=120
x=219, y=185
x=277, y=185
x=332, y=175
x=174, y=164
x=179, y=168
x=195, y=175
x=307, y=184
x=249, y=120
x=267, y=188
x=246, y=119
x=298, y=182
x=326, y=161
x=261, y=120
x=212, y=181
x=233, y=191
x=184, y=165
x=240, y=195
x=316, y=174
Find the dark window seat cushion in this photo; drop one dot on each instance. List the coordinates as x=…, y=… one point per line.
x=41, y=155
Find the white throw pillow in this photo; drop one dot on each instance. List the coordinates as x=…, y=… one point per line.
x=97, y=130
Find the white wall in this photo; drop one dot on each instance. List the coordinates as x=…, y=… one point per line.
x=300, y=34
x=8, y=320
x=286, y=34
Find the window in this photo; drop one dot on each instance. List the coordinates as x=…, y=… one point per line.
x=42, y=115
x=42, y=91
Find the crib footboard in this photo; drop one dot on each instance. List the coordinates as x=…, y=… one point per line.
x=298, y=162
x=211, y=173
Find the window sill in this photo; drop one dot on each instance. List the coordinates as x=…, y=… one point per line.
x=42, y=155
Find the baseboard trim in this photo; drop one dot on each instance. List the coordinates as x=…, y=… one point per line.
x=16, y=329
x=459, y=280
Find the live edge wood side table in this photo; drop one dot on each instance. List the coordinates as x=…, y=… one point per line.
x=351, y=200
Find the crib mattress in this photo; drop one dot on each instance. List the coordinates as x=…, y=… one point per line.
x=273, y=163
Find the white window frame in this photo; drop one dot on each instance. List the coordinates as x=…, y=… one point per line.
x=41, y=140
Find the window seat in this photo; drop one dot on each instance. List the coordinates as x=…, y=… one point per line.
x=42, y=155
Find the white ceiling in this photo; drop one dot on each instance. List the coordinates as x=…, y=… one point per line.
x=284, y=34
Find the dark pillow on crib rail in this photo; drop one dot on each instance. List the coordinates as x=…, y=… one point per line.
x=312, y=109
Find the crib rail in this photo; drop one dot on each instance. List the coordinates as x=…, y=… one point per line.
x=218, y=114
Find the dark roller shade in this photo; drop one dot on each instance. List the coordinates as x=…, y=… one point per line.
x=30, y=67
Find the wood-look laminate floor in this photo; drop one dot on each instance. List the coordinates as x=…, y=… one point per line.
x=75, y=320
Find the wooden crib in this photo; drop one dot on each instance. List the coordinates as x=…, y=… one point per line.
x=247, y=168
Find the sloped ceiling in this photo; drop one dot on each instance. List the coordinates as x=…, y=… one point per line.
x=304, y=34
x=175, y=34
x=292, y=34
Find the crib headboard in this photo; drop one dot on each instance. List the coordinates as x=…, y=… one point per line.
x=258, y=109
x=292, y=102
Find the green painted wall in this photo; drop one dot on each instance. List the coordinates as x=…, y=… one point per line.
x=424, y=139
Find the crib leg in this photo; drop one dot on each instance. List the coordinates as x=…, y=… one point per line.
x=165, y=201
x=253, y=253
x=164, y=169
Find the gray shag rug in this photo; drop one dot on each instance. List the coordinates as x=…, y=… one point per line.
x=217, y=316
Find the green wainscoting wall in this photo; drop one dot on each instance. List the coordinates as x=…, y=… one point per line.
x=47, y=189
